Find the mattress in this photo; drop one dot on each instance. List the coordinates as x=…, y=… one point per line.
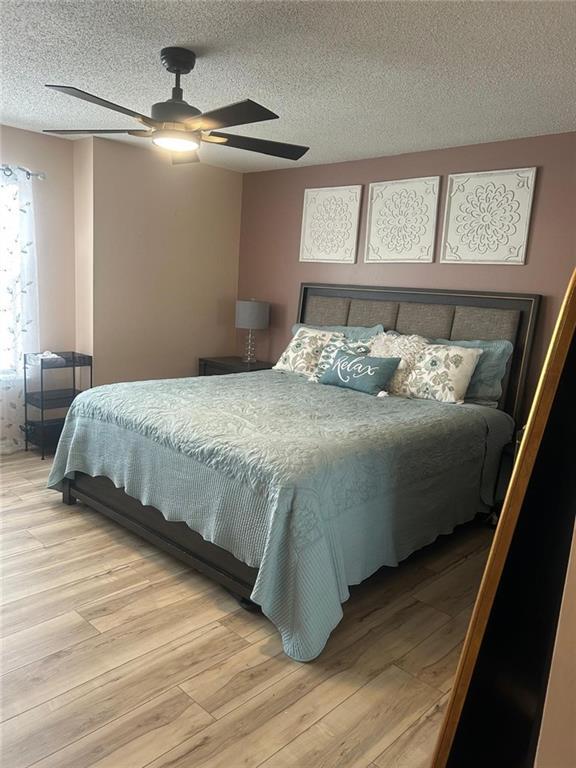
x=316, y=486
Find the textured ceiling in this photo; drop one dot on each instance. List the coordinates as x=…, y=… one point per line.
x=350, y=79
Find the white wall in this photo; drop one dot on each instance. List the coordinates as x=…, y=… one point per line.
x=54, y=218
x=166, y=242
x=84, y=244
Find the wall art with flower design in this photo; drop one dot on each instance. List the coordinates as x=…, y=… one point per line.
x=330, y=224
x=401, y=222
x=487, y=217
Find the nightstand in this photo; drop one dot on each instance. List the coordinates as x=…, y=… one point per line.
x=217, y=366
x=507, y=460
x=42, y=431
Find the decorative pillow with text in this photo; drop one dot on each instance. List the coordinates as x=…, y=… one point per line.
x=360, y=372
x=331, y=349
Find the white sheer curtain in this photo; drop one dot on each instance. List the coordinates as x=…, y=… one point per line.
x=18, y=300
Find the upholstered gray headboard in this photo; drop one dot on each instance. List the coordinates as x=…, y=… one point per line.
x=434, y=314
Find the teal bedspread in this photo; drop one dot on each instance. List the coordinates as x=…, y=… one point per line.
x=316, y=486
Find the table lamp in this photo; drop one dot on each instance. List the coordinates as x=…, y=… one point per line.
x=253, y=316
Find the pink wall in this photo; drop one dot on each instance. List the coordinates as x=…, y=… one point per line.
x=272, y=213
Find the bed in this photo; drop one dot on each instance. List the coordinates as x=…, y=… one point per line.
x=288, y=492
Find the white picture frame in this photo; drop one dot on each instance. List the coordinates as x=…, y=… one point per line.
x=330, y=217
x=401, y=221
x=487, y=217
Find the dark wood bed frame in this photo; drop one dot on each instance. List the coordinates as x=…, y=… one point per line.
x=182, y=542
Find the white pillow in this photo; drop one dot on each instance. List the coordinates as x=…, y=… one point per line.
x=407, y=348
x=442, y=373
x=303, y=352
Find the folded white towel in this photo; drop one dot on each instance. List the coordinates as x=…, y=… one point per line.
x=45, y=356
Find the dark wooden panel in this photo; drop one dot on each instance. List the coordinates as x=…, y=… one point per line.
x=496, y=707
x=174, y=537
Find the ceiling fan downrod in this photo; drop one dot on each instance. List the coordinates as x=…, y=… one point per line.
x=177, y=92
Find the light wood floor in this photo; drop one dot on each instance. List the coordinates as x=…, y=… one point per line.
x=116, y=656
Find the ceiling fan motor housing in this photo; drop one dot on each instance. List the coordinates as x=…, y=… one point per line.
x=179, y=61
x=173, y=111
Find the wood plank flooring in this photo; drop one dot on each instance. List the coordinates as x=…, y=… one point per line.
x=114, y=655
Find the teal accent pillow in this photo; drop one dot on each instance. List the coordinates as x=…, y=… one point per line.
x=338, y=344
x=351, y=332
x=486, y=383
x=360, y=372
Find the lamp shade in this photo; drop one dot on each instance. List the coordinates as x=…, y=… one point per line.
x=252, y=314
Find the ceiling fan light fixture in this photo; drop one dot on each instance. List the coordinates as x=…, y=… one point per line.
x=175, y=141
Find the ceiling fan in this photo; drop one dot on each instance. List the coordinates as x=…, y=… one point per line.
x=179, y=127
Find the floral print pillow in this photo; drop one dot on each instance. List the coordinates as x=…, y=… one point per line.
x=332, y=348
x=303, y=352
x=442, y=373
x=407, y=348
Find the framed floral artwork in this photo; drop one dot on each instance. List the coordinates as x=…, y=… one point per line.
x=330, y=224
x=401, y=222
x=487, y=217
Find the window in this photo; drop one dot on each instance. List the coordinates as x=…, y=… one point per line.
x=18, y=298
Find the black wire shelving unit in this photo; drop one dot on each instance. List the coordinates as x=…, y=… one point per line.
x=41, y=430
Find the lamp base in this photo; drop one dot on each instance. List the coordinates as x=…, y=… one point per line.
x=250, y=348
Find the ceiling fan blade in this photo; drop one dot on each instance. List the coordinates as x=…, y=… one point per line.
x=241, y=113
x=71, y=91
x=80, y=131
x=265, y=147
x=181, y=158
